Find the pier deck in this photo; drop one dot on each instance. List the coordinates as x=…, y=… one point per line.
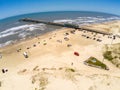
x=64, y=25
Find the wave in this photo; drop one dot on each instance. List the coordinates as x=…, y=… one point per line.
x=22, y=28
x=63, y=20
x=87, y=20
x=7, y=43
x=23, y=34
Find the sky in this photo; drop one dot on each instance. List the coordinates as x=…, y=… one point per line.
x=16, y=7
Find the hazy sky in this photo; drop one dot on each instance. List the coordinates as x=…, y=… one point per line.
x=15, y=7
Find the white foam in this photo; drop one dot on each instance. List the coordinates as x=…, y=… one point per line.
x=84, y=20
x=23, y=34
x=36, y=26
x=7, y=43
x=16, y=30
x=63, y=20
x=7, y=34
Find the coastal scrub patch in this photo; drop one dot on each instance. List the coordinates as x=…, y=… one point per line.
x=41, y=79
x=112, y=53
x=108, y=55
x=70, y=74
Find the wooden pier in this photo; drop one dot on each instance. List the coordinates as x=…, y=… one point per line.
x=63, y=25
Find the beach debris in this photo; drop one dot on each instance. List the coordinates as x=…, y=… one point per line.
x=83, y=35
x=69, y=45
x=53, y=69
x=44, y=43
x=66, y=38
x=0, y=84
x=50, y=38
x=43, y=69
x=34, y=45
x=35, y=68
x=18, y=50
x=110, y=36
x=60, y=68
x=60, y=41
x=87, y=37
x=44, y=40
x=99, y=40
x=4, y=70
x=73, y=31
x=76, y=53
x=114, y=37
x=35, y=88
x=72, y=64
x=33, y=80
x=28, y=47
x=25, y=54
x=92, y=32
x=22, y=71
x=103, y=35
x=66, y=34
x=94, y=38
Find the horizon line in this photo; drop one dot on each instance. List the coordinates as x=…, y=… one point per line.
x=58, y=11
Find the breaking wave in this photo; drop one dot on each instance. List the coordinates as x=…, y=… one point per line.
x=18, y=32
x=6, y=43
x=87, y=20
x=22, y=28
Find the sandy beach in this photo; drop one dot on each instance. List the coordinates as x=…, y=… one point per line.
x=52, y=64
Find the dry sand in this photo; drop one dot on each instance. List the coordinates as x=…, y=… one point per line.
x=52, y=65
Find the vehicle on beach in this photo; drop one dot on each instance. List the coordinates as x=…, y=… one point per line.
x=25, y=54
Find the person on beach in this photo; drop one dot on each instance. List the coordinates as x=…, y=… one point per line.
x=4, y=70
x=0, y=56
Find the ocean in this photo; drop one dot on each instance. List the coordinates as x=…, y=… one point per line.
x=11, y=30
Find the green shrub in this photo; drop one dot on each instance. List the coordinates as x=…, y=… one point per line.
x=108, y=55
